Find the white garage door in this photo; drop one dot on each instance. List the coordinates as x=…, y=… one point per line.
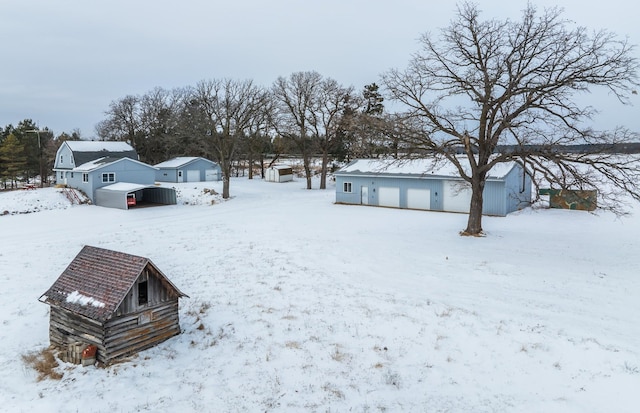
x=193, y=175
x=419, y=198
x=389, y=197
x=211, y=175
x=456, y=196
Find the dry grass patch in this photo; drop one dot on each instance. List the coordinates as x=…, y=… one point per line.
x=44, y=363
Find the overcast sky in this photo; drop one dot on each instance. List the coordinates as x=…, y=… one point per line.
x=62, y=62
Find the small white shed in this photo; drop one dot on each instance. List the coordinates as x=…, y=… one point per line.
x=279, y=173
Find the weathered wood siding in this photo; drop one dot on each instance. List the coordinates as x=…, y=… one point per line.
x=138, y=331
x=66, y=327
x=156, y=293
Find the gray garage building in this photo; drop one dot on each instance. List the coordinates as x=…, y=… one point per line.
x=426, y=185
x=188, y=169
x=125, y=195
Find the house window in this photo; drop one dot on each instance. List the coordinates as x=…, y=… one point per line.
x=143, y=293
x=61, y=159
x=85, y=177
x=72, y=174
x=179, y=174
x=108, y=177
x=346, y=187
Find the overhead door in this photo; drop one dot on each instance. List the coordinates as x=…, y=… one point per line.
x=419, y=198
x=389, y=197
x=193, y=175
x=456, y=196
x=211, y=175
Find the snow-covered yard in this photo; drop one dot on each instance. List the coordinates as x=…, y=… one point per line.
x=298, y=304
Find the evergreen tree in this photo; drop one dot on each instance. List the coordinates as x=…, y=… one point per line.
x=13, y=162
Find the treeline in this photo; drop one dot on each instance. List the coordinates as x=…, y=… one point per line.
x=228, y=121
x=27, y=152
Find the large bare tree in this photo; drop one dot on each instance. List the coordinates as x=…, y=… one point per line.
x=230, y=109
x=296, y=115
x=486, y=83
x=333, y=101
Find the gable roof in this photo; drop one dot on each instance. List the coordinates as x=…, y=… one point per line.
x=423, y=168
x=106, y=161
x=85, y=151
x=97, y=280
x=179, y=161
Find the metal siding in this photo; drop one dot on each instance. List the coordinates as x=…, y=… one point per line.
x=167, y=175
x=494, y=198
x=111, y=199
x=166, y=196
x=126, y=171
x=66, y=158
x=352, y=197
x=517, y=197
x=500, y=196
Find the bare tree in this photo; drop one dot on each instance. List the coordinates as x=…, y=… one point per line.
x=333, y=101
x=482, y=84
x=296, y=117
x=122, y=122
x=230, y=109
x=159, y=112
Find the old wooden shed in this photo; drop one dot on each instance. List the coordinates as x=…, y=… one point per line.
x=119, y=302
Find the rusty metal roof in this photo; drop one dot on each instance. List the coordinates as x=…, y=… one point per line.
x=96, y=281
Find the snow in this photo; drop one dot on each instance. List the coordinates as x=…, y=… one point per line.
x=76, y=297
x=299, y=304
x=97, y=146
x=125, y=186
x=418, y=167
x=175, y=162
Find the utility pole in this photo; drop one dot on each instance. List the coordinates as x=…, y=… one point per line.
x=39, y=154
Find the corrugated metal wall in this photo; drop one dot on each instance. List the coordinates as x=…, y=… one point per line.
x=500, y=196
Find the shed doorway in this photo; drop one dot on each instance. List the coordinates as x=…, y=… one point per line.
x=364, y=195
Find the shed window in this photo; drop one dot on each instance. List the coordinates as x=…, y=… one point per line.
x=108, y=177
x=143, y=293
x=346, y=187
x=85, y=177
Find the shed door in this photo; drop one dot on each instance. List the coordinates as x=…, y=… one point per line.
x=389, y=197
x=193, y=175
x=210, y=175
x=364, y=195
x=456, y=196
x=419, y=198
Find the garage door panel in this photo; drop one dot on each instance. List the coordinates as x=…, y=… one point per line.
x=193, y=175
x=419, y=199
x=456, y=196
x=389, y=197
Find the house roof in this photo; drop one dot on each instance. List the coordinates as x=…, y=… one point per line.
x=416, y=168
x=102, y=162
x=85, y=151
x=180, y=161
x=280, y=167
x=126, y=187
x=97, y=280
x=99, y=146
